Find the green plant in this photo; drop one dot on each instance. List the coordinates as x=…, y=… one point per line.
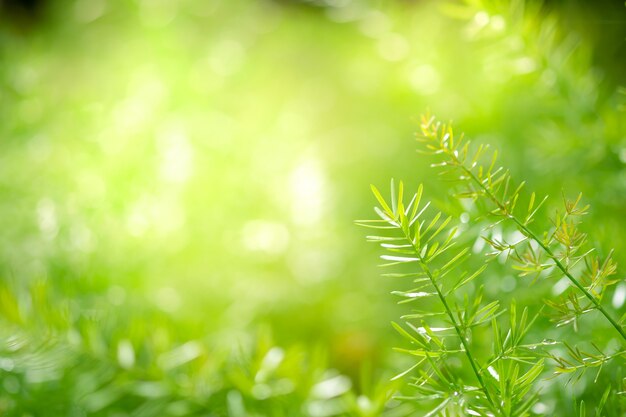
x=502, y=383
x=560, y=251
x=562, y=246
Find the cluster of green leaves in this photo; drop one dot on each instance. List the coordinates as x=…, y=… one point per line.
x=59, y=358
x=149, y=124
x=560, y=252
x=444, y=330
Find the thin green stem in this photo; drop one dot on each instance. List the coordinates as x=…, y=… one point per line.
x=461, y=336
x=545, y=247
x=460, y=333
x=596, y=362
x=573, y=280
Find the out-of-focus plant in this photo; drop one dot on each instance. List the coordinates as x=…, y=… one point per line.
x=59, y=359
x=165, y=189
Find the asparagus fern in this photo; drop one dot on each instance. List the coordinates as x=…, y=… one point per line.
x=503, y=382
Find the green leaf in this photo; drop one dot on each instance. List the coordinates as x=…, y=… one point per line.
x=382, y=201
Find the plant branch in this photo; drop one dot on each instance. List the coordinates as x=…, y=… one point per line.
x=526, y=230
x=460, y=333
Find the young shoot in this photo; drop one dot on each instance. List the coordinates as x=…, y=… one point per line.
x=422, y=248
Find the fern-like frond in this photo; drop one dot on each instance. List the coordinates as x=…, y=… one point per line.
x=562, y=249
x=441, y=328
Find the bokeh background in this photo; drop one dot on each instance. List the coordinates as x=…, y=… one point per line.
x=179, y=180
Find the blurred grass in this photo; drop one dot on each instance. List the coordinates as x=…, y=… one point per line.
x=177, y=178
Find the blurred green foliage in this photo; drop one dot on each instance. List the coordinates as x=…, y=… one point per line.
x=178, y=182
